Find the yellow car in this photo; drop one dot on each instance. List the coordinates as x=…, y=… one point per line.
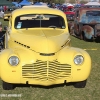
x=38, y=51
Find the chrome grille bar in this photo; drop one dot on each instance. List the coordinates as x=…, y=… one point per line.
x=46, y=70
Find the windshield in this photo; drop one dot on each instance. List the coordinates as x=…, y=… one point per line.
x=38, y=21
x=70, y=15
x=93, y=13
x=90, y=16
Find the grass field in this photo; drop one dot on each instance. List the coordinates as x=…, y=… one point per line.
x=90, y=92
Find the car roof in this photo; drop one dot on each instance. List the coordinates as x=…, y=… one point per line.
x=85, y=9
x=37, y=10
x=88, y=8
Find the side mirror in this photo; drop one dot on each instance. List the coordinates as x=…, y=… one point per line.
x=5, y=27
x=6, y=19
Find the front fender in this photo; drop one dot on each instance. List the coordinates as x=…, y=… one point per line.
x=78, y=72
x=6, y=70
x=4, y=59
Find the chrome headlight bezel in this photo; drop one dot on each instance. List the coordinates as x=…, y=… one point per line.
x=78, y=59
x=13, y=60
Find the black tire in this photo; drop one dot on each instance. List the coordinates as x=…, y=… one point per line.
x=81, y=84
x=75, y=32
x=80, y=31
x=88, y=40
x=83, y=36
x=7, y=86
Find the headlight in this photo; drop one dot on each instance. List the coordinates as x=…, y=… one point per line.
x=78, y=60
x=13, y=60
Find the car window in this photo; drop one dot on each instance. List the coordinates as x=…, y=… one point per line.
x=90, y=16
x=93, y=13
x=70, y=15
x=38, y=21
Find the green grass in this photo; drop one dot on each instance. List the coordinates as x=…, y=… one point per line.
x=4, y=23
x=90, y=92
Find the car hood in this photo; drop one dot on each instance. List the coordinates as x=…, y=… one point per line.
x=42, y=41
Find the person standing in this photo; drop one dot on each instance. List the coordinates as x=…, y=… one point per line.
x=2, y=37
x=5, y=8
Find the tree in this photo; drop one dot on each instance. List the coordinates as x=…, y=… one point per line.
x=72, y=1
x=83, y=1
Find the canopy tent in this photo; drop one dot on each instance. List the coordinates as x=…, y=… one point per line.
x=37, y=3
x=16, y=4
x=40, y=3
x=92, y=4
x=24, y=2
x=64, y=5
x=70, y=6
x=43, y=3
x=6, y=3
x=77, y=5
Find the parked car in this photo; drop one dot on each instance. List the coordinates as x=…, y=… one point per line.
x=70, y=15
x=38, y=51
x=7, y=13
x=87, y=23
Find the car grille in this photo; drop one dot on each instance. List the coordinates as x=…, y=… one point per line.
x=46, y=70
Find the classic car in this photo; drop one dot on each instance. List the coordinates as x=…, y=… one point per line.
x=38, y=51
x=70, y=15
x=87, y=23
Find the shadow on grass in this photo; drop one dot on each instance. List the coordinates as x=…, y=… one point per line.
x=45, y=87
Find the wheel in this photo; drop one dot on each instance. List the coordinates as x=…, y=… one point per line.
x=7, y=86
x=81, y=84
x=88, y=40
x=83, y=36
x=75, y=32
x=79, y=32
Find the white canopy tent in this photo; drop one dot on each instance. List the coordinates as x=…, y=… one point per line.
x=70, y=5
x=92, y=4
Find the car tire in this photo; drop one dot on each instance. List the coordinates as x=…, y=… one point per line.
x=80, y=31
x=83, y=36
x=7, y=86
x=88, y=40
x=81, y=84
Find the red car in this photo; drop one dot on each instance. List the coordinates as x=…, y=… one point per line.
x=70, y=15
